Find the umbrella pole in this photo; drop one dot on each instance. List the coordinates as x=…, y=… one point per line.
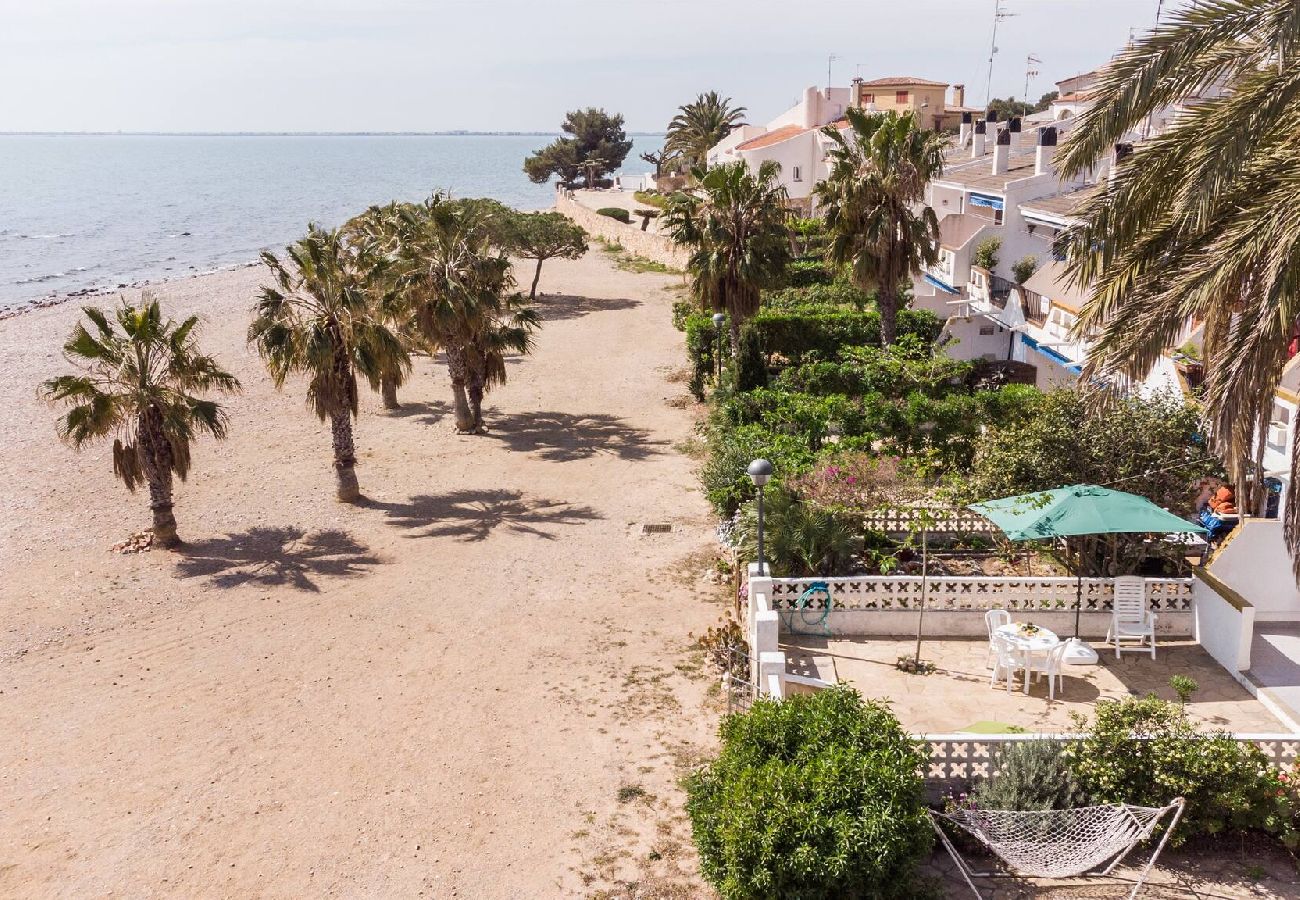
x=1078, y=600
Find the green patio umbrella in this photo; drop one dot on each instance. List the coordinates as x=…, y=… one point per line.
x=1080, y=509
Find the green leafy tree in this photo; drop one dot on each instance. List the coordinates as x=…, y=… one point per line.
x=1011, y=107
x=596, y=145
x=700, y=125
x=545, y=235
x=1198, y=222
x=872, y=201
x=818, y=796
x=320, y=320
x=1151, y=447
x=737, y=228
x=141, y=381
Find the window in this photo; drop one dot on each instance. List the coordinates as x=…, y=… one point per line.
x=796, y=174
x=900, y=97
x=868, y=98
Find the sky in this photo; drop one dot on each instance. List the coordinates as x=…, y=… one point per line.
x=505, y=65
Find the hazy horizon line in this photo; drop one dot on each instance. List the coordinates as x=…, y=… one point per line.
x=455, y=132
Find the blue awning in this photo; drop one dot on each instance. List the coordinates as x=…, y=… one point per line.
x=946, y=288
x=986, y=200
x=1051, y=354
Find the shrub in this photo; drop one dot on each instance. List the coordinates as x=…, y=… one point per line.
x=683, y=310
x=800, y=539
x=839, y=294
x=751, y=367
x=986, y=253
x=731, y=450
x=1023, y=269
x=788, y=412
x=794, y=335
x=701, y=348
x=815, y=797
x=803, y=273
x=616, y=212
x=651, y=198
x=1034, y=775
x=1228, y=785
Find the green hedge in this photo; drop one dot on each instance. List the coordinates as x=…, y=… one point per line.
x=793, y=335
x=701, y=348
x=836, y=295
x=732, y=449
x=616, y=212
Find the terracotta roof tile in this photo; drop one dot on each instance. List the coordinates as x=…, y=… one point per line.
x=904, y=79
x=784, y=133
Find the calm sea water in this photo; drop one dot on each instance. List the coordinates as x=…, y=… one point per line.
x=92, y=211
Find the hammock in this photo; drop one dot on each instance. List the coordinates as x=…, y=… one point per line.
x=1059, y=843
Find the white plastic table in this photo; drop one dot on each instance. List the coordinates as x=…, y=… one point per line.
x=1040, y=642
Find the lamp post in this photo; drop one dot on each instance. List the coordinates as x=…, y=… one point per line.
x=718, y=319
x=760, y=470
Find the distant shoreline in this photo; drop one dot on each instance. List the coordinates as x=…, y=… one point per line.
x=301, y=134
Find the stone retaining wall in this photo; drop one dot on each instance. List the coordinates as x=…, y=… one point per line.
x=656, y=247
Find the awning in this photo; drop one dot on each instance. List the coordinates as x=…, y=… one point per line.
x=1051, y=354
x=986, y=200
x=935, y=282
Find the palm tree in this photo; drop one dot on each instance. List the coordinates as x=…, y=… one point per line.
x=320, y=320
x=737, y=227
x=456, y=281
x=374, y=237
x=873, y=203
x=509, y=330
x=1199, y=222
x=141, y=380
x=700, y=125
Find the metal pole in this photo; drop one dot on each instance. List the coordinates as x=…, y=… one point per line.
x=762, y=567
x=719, y=354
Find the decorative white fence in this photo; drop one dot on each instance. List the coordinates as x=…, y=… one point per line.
x=903, y=592
x=907, y=520
x=957, y=760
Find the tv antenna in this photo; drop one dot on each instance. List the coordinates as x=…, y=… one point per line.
x=1000, y=14
x=830, y=59
x=1030, y=72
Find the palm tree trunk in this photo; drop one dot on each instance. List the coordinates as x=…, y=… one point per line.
x=887, y=301
x=735, y=338
x=537, y=274
x=388, y=391
x=345, y=457
x=475, y=389
x=458, y=369
x=156, y=460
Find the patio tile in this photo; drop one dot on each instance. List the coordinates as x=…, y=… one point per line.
x=958, y=694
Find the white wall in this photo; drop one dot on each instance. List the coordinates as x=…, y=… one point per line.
x=1255, y=563
x=1224, y=630
x=803, y=151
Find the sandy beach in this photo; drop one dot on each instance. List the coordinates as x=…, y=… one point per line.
x=477, y=684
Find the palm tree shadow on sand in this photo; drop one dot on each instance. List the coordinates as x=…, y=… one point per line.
x=566, y=437
x=559, y=307
x=473, y=515
x=276, y=556
x=424, y=413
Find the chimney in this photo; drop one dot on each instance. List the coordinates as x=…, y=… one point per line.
x=991, y=116
x=1122, y=152
x=977, y=142
x=1044, y=158
x=963, y=134
x=811, y=104
x=959, y=95
x=1002, y=152
x=1013, y=126
x=856, y=99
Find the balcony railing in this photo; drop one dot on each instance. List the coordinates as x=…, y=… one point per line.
x=999, y=291
x=1033, y=307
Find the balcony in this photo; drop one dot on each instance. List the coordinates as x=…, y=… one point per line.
x=1035, y=307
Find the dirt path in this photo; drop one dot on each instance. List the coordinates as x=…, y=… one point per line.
x=477, y=685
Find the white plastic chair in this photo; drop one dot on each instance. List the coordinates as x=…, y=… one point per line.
x=1050, y=664
x=993, y=620
x=1007, y=661
x=1132, y=624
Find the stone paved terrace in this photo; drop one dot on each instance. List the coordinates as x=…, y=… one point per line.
x=958, y=694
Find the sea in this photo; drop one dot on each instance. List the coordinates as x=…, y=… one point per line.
x=84, y=213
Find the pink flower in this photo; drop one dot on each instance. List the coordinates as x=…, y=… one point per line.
x=851, y=480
